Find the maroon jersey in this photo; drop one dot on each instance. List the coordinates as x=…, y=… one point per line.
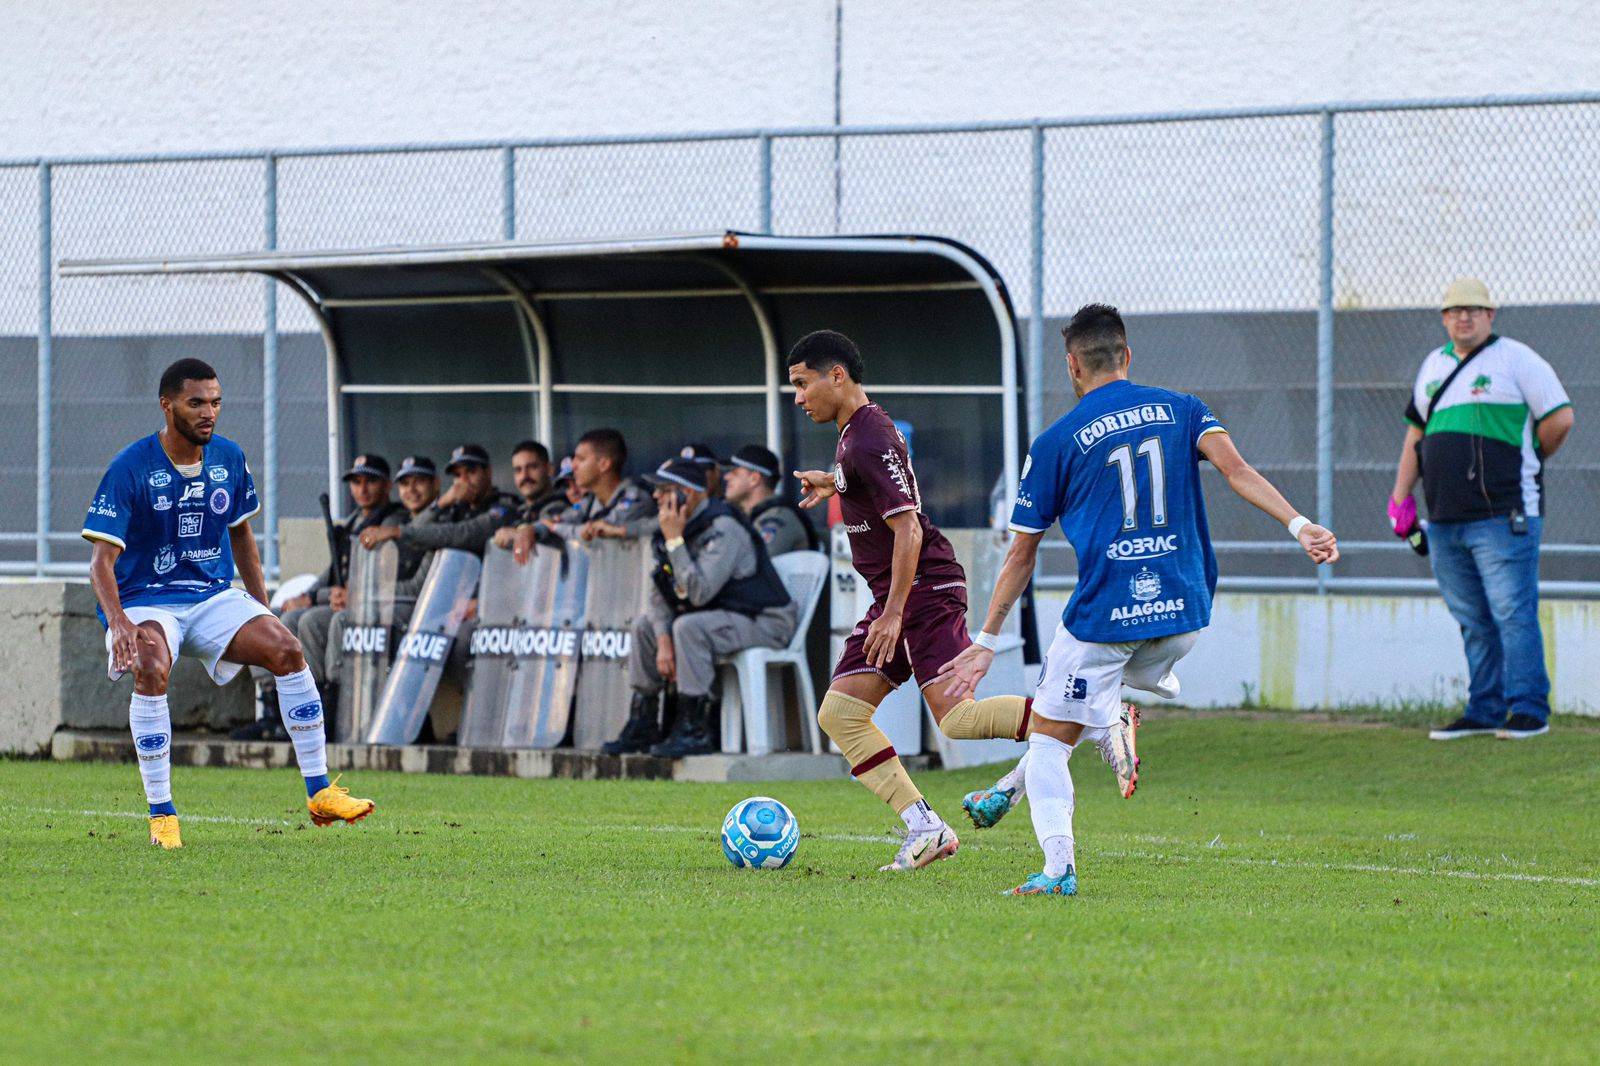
x=873, y=474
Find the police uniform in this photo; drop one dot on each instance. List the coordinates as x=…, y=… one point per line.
x=631, y=507
x=781, y=524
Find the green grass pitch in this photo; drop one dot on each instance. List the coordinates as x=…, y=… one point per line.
x=1279, y=889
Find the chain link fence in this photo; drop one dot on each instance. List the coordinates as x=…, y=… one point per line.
x=1285, y=265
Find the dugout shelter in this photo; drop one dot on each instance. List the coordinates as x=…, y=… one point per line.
x=669, y=339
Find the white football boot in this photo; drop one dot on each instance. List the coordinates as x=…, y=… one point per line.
x=924, y=847
x=1118, y=748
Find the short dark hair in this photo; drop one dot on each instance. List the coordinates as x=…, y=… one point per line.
x=825, y=349
x=536, y=448
x=173, y=377
x=607, y=442
x=1097, y=337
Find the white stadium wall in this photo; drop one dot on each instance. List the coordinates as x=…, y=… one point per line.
x=1359, y=652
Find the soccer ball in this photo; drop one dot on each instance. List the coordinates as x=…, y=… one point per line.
x=760, y=832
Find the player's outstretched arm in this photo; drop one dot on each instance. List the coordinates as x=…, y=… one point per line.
x=967, y=669
x=247, y=560
x=818, y=485
x=1319, y=543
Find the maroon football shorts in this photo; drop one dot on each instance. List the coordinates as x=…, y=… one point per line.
x=933, y=632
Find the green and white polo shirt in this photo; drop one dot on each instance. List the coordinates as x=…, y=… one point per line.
x=1480, y=456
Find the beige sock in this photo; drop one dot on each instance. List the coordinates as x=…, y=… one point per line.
x=872, y=758
x=985, y=719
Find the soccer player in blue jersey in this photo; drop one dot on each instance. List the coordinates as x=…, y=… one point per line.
x=1121, y=473
x=169, y=523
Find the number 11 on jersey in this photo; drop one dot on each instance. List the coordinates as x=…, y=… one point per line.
x=1122, y=457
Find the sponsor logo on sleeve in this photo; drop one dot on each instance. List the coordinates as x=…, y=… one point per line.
x=1027, y=465
x=103, y=507
x=218, y=473
x=1150, y=414
x=189, y=524
x=1024, y=500
x=160, y=479
x=165, y=560
x=220, y=500
x=1134, y=548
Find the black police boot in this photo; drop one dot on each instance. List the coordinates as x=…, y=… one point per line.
x=641, y=730
x=269, y=726
x=691, y=733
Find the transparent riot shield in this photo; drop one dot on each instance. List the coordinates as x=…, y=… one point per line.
x=525, y=651
x=366, y=644
x=446, y=599
x=619, y=583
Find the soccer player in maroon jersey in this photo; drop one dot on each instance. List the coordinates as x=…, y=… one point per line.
x=918, y=618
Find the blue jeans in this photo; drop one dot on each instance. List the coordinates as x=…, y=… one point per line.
x=1490, y=580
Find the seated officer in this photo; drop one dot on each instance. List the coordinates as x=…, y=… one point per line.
x=465, y=517
x=714, y=593
x=610, y=505
x=752, y=483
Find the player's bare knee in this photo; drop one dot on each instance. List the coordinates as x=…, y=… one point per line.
x=287, y=656
x=150, y=672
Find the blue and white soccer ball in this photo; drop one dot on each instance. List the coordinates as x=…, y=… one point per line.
x=760, y=832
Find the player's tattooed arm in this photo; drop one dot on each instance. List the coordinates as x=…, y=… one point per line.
x=1319, y=543
x=967, y=669
x=247, y=561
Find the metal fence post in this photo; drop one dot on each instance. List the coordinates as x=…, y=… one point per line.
x=269, y=379
x=508, y=193
x=1034, y=387
x=1325, y=442
x=41, y=514
x=764, y=153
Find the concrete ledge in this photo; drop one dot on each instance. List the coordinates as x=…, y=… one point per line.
x=80, y=745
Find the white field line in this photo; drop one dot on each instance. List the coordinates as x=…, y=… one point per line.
x=1110, y=853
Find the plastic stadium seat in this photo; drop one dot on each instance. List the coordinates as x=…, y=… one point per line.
x=751, y=723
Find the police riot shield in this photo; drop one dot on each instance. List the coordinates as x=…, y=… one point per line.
x=446, y=600
x=371, y=621
x=619, y=581
x=525, y=650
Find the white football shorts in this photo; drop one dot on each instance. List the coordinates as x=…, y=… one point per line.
x=1082, y=682
x=199, y=630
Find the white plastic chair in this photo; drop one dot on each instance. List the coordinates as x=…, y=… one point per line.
x=750, y=723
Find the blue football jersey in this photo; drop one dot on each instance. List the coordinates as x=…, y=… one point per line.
x=173, y=530
x=1121, y=472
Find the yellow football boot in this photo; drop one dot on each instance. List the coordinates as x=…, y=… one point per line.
x=335, y=804
x=164, y=832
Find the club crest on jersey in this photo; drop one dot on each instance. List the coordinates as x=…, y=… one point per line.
x=218, y=473
x=160, y=479
x=838, y=476
x=166, y=559
x=1150, y=414
x=219, y=501
x=1145, y=585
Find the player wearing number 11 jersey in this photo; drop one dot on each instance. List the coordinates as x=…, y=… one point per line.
x=1121, y=473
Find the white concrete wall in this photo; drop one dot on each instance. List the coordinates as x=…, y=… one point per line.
x=109, y=76
x=1324, y=653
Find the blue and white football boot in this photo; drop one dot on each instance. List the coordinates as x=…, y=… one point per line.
x=1040, y=885
x=988, y=805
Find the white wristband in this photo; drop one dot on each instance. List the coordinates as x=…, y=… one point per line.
x=1296, y=524
x=986, y=640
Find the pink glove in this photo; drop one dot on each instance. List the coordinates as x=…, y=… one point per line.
x=1403, y=516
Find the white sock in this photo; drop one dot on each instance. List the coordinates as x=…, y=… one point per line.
x=301, y=708
x=1101, y=738
x=1050, y=799
x=1017, y=778
x=151, y=724
x=919, y=818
